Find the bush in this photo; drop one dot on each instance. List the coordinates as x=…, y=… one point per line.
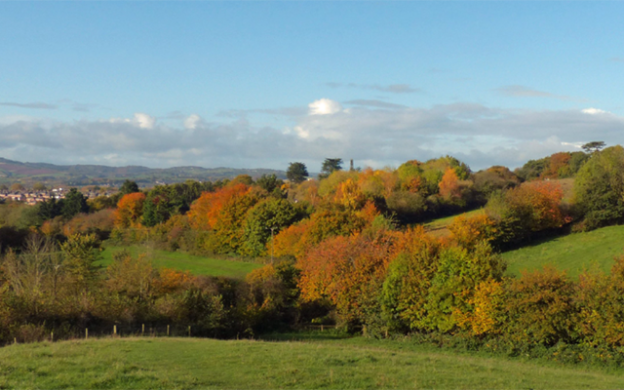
x=539, y=308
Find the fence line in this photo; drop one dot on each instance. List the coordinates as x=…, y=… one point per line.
x=38, y=334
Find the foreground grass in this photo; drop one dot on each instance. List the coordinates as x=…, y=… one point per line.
x=203, y=363
x=197, y=265
x=573, y=253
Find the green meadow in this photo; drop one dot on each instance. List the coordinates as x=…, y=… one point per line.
x=197, y=265
x=573, y=252
x=180, y=363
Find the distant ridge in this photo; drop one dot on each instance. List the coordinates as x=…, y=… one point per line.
x=81, y=175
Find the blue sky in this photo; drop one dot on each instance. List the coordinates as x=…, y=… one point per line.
x=262, y=84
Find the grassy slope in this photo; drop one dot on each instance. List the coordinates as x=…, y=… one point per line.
x=204, y=363
x=573, y=252
x=197, y=265
x=438, y=227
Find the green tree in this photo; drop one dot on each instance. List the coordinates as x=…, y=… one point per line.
x=188, y=192
x=81, y=255
x=128, y=187
x=453, y=285
x=330, y=165
x=158, y=207
x=593, y=147
x=50, y=208
x=74, y=203
x=269, y=183
x=297, y=172
x=242, y=179
x=270, y=214
x=599, y=188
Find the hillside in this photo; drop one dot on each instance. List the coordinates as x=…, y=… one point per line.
x=197, y=265
x=572, y=253
x=141, y=363
x=79, y=175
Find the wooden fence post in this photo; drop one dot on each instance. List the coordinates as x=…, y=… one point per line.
x=142, y=329
x=114, y=330
x=86, y=333
x=189, y=330
x=167, y=330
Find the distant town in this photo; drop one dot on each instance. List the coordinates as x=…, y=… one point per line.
x=32, y=197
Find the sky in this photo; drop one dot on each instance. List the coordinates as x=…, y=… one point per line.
x=264, y=84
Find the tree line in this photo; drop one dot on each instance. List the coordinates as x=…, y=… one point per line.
x=346, y=251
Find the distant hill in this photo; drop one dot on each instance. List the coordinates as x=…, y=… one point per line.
x=81, y=175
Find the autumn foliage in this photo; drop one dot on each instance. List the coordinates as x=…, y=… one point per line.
x=449, y=185
x=349, y=250
x=347, y=271
x=129, y=210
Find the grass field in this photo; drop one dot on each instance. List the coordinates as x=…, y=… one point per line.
x=337, y=364
x=197, y=265
x=573, y=252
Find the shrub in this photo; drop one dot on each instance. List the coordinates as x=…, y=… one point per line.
x=539, y=308
x=408, y=280
x=460, y=271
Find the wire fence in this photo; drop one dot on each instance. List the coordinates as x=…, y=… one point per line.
x=39, y=334
x=34, y=334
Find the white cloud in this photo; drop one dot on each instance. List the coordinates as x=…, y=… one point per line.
x=594, y=111
x=192, y=121
x=324, y=107
x=144, y=121
x=141, y=120
x=576, y=145
x=301, y=132
x=481, y=136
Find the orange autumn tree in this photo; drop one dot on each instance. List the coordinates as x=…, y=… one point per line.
x=171, y=280
x=290, y=242
x=223, y=212
x=206, y=210
x=129, y=210
x=524, y=210
x=348, y=272
x=545, y=198
x=559, y=166
x=449, y=185
x=468, y=231
x=297, y=239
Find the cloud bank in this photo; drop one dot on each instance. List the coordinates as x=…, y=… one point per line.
x=371, y=133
